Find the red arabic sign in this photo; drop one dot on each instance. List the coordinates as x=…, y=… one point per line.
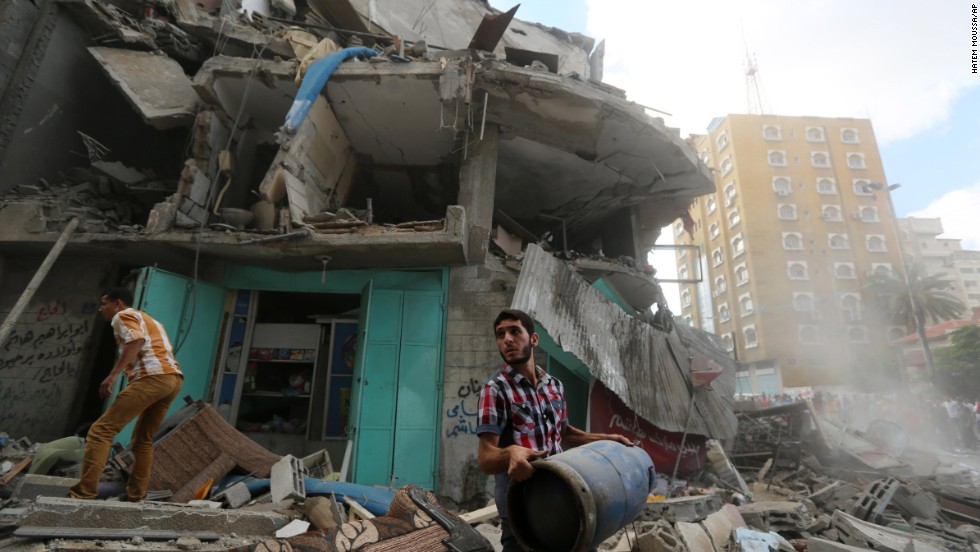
x=608, y=414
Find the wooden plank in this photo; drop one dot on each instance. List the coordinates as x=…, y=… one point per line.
x=15, y=470
x=357, y=509
x=479, y=516
x=42, y=532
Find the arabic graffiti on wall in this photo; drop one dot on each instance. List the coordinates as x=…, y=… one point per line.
x=460, y=419
x=39, y=366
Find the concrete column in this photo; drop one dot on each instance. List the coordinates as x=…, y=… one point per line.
x=477, y=182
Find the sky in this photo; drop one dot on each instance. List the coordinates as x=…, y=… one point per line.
x=904, y=64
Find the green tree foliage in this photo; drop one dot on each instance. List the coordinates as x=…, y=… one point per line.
x=923, y=299
x=930, y=294
x=959, y=364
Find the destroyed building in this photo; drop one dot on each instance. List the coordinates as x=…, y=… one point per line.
x=326, y=203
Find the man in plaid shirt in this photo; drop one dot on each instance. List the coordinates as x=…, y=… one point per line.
x=522, y=414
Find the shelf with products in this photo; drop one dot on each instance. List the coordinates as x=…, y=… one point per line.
x=278, y=377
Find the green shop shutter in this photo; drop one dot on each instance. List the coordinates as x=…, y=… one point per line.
x=191, y=313
x=397, y=387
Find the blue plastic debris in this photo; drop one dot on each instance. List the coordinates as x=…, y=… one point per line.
x=315, y=79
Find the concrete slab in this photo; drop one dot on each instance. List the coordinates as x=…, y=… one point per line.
x=694, y=536
x=719, y=525
x=813, y=544
x=67, y=512
x=32, y=486
x=154, y=85
x=685, y=508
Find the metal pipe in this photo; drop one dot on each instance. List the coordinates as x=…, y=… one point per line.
x=305, y=232
x=42, y=272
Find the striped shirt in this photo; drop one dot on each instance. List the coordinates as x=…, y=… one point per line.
x=536, y=415
x=156, y=356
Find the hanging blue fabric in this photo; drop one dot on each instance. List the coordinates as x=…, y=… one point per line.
x=314, y=81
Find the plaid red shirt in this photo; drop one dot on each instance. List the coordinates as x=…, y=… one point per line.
x=537, y=416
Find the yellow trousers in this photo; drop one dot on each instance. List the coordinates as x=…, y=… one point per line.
x=149, y=398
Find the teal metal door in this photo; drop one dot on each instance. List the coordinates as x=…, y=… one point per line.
x=191, y=313
x=419, y=389
x=375, y=381
x=397, y=387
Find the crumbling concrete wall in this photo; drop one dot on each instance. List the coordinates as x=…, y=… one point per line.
x=476, y=294
x=43, y=364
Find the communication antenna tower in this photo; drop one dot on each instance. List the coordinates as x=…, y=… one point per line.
x=755, y=93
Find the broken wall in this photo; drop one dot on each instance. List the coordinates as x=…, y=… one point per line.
x=44, y=363
x=477, y=293
x=61, y=92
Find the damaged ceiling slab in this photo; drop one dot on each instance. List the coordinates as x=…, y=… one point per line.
x=648, y=369
x=452, y=27
x=155, y=85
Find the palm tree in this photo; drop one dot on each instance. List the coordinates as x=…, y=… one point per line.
x=915, y=300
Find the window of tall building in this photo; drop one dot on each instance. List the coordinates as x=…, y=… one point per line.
x=777, y=158
x=966, y=270
x=722, y=140
x=686, y=298
x=883, y=270
x=797, y=270
x=730, y=193
x=808, y=335
x=838, y=241
x=786, y=211
x=726, y=342
x=894, y=333
x=733, y=219
x=862, y=187
x=738, y=246
x=876, y=242
x=782, y=186
x=815, y=134
x=712, y=205
x=724, y=314
x=751, y=337
x=849, y=136
x=772, y=132
x=720, y=284
x=741, y=274
x=819, y=159
x=869, y=213
x=792, y=241
x=857, y=334
x=802, y=301
x=856, y=161
x=726, y=165
x=682, y=273
x=831, y=212
x=844, y=271
x=850, y=303
x=745, y=304
x=678, y=228
x=716, y=257
x=705, y=158
x=826, y=186
x=714, y=230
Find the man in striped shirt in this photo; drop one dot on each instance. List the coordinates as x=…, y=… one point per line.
x=522, y=415
x=154, y=380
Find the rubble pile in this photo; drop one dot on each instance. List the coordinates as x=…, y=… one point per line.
x=217, y=490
